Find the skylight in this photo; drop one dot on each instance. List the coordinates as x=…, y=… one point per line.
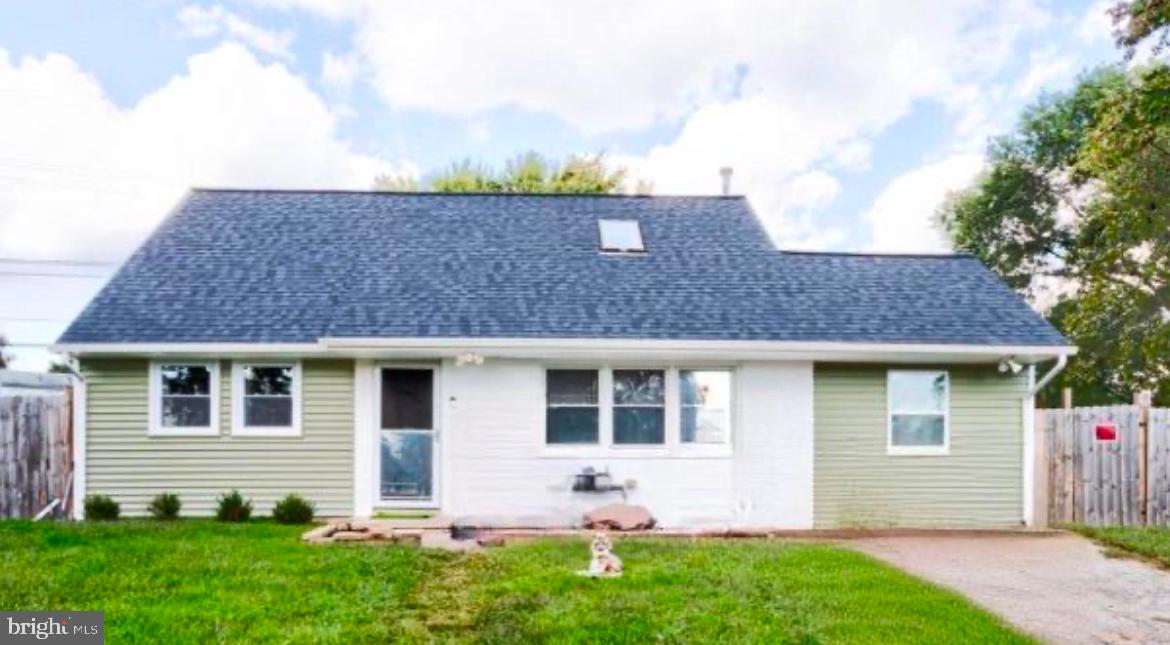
x=621, y=236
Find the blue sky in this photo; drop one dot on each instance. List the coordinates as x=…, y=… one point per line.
x=846, y=123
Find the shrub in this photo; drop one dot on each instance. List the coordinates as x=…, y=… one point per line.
x=101, y=507
x=165, y=506
x=293, y=509
x=233, y=508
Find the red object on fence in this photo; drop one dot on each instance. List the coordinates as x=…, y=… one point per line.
x=1106, y=432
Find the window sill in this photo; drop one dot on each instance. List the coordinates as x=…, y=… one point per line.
x=263, y=433
x=635, y=452
x=907, y=451
x=182, y=432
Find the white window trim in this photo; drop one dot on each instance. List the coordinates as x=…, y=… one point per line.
x=239, y=429
x=155, y=427
x=672, y=446
x=600, y=406
x=612, y=408
x=945, y=448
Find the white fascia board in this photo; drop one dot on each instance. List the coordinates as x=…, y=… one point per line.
x=189, y=349
x=713, y=349
x=587, y=348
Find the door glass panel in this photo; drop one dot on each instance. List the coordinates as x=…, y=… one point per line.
x=406, y=464
x=406, y=442
x=406, y=399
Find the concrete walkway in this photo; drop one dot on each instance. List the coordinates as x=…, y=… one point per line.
x=1059, y=588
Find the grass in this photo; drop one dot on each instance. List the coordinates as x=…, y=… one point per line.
x=1146, y=542
x=193, y=581
x=199, y=582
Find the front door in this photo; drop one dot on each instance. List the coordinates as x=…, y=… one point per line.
x=407, y=437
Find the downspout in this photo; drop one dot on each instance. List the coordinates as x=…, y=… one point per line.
x=1028, y=408
x=1061, y=362
x=76, y=493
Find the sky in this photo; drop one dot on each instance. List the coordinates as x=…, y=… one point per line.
x=846, y=123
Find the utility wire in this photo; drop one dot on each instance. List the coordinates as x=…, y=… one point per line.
x=30, y=274
x=61, y=184
x=51, y=262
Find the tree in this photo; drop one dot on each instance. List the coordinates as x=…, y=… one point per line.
x=60, y=367
x=1079, y=196
x=1134, y=22
x=5, y=358
x=526, y=173
x=396, y=183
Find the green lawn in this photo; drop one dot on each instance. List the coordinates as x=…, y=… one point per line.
x=196, y=582
x=1148, y=542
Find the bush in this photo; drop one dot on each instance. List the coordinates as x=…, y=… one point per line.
x=233, y=508
x=293, y=509
x=165, y=506
x=101, y=507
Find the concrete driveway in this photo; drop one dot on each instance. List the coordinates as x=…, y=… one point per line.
x=1057, y=587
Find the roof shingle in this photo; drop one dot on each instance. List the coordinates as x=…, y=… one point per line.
x=295, y=266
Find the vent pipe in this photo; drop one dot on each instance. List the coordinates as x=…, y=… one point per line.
x=725, y=173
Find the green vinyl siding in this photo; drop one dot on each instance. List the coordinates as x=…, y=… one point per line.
x=856, y=483
x=125, y=463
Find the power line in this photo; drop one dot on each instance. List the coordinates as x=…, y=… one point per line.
x=80, y=263
x=60, y=169
x=60, y=184
x=30, y=274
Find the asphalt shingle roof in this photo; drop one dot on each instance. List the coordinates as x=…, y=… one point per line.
x=295, y=266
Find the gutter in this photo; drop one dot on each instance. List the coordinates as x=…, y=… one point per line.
x=1061, y=362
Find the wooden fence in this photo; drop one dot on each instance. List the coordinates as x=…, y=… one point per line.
x=36, y=445
x=1102, y=481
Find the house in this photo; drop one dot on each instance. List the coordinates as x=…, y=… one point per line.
x=475, y=353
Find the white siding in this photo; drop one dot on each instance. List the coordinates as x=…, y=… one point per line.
x=495, y=462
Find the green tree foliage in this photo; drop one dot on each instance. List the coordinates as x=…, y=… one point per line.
x=1134, y=22
x=526, y=173
x=1079, y=195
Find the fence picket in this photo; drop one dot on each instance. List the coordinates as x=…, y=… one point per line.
x=1098, y=482
x=35, y=449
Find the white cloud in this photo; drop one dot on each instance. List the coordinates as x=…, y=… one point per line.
x=901, y=219
x=1047, y=67
x=215, y=21
x=87, y=170
x=1096, y=25
x=339, y=70
x=82, y=178
x=613, y=64
x=776, y=90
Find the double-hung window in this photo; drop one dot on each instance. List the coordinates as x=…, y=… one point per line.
x=918, y=402
x=184, y=398
x=266, y=399
x=639, y=407
x=573, y=407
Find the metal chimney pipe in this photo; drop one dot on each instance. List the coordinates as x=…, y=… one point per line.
x=725, y=173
